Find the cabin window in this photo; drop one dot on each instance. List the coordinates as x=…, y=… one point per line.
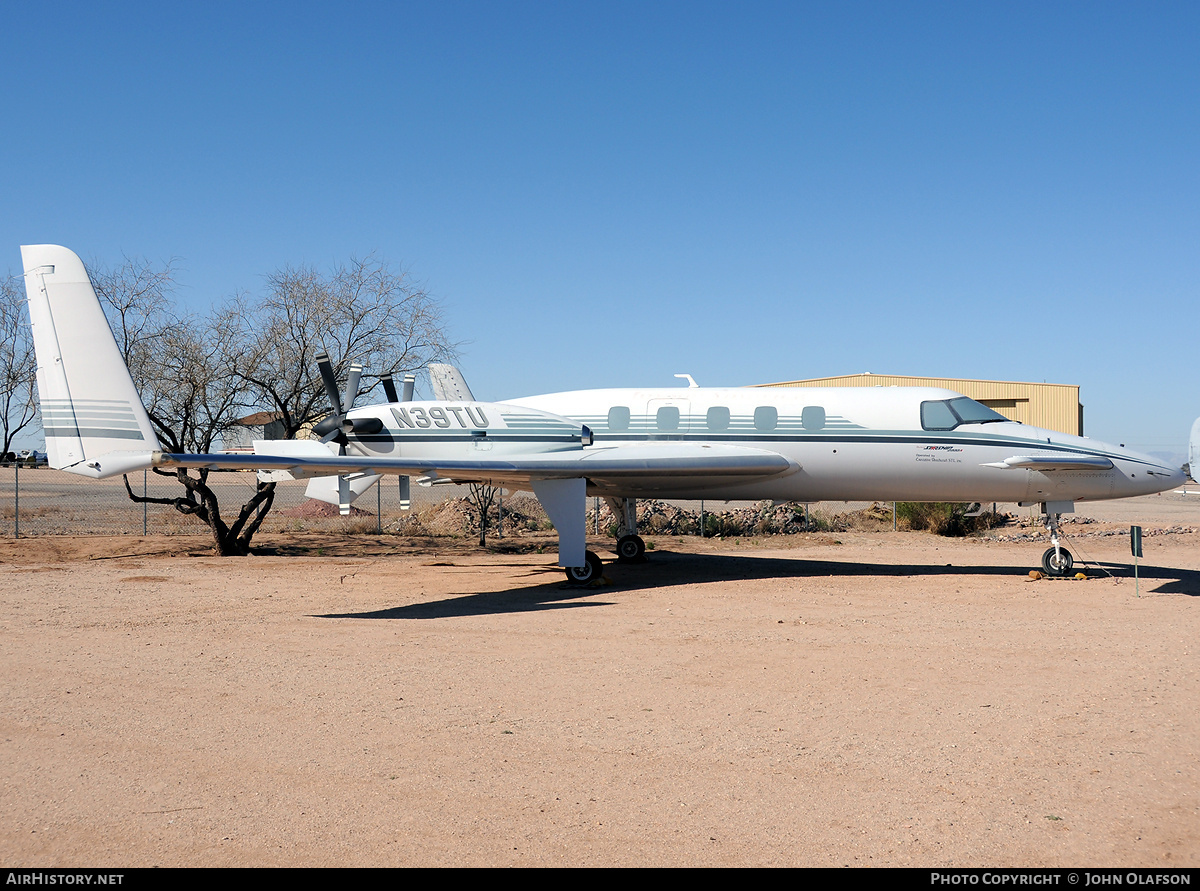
x=765, y=418
x=718, y=418
x=668, y=417
x=813, y=417
x=618, y=417
x=946, y=414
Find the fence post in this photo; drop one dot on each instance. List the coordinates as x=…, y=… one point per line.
x=145, y=492
x=16, y=499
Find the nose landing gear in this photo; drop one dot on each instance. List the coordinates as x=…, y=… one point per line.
x=1057, y=561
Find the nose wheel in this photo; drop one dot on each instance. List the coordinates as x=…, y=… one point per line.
x=1057, y=562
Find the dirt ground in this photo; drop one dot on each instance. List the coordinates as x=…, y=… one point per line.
x=859, y=698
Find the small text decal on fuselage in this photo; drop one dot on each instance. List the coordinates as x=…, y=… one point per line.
x=939, y=454
x=468, y=417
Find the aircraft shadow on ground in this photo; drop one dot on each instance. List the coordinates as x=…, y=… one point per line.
x=665, y=568
x=1158, y=579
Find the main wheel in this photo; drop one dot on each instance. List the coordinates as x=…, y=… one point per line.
x=1057, y=564
x=586, y=574
x=631, y=549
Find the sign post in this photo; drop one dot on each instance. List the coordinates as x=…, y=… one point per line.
x=1135, y=546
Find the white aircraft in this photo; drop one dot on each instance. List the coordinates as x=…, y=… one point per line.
x=885, y=444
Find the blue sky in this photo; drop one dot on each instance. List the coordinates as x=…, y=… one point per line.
x=607, y=194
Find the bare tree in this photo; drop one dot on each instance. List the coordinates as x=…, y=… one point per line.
x=482, y=496
x=362, y=312
x=197, y=376
x=181, y=366
x=18, y=366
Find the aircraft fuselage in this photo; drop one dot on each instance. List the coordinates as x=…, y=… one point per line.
x=854, y=444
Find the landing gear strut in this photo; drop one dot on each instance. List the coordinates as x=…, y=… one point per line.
x=630, y=546
x=1057, y=561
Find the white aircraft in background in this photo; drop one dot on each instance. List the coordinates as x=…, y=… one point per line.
x=838, y=444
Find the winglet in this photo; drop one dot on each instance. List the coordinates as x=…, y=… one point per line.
x=1194, y=450
x=94, y=421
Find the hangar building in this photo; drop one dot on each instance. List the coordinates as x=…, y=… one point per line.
x=1053, y=406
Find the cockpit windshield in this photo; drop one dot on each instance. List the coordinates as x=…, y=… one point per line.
x=946, y=414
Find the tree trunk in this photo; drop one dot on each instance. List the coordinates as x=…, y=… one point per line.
x=201, y=502
x=482, y=496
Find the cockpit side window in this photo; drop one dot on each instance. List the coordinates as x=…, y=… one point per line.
x=938, y=416
x=946, y=414
x=973, y=412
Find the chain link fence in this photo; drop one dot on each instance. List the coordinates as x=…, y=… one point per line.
x=49, y=502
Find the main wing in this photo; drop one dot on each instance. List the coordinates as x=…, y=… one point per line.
x=698, y=464
x=559, y=479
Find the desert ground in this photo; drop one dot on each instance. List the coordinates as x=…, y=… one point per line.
x=851, y=698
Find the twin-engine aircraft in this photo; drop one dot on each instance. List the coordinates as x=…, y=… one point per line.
x=842, y=444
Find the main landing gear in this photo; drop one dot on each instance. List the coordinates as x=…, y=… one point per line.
x=1057, y=561
x=630, y=546
x=586, y=574
x=631, y=549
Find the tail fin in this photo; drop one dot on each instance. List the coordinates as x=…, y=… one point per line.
x=94, y=421
x=448, y=383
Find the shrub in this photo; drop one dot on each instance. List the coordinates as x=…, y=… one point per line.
x=945, y=517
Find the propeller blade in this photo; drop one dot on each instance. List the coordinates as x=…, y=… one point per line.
x=331, y=387
x=352, y=386
x=389, y=388
x=409, y=382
